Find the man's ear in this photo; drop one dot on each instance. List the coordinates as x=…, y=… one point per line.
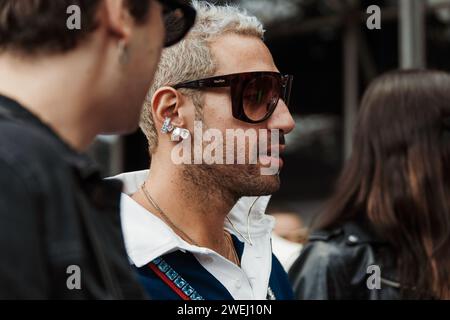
x=166, y=103
x=117, y=19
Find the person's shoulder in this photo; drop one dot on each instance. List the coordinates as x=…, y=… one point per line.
x=26, y=145
x=342, y=240
x=325, y=245
x=337, y=249
x=320, y=268
x=34, y=157
x=25, y=135
x=329, y=262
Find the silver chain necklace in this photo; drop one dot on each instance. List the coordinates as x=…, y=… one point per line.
x=230, y=245
x=270, y=293
x=165, y=217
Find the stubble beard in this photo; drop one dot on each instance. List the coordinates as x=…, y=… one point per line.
x=231, y=182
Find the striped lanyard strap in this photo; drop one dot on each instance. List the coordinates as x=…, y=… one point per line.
x=179, y=285
x=175, y=282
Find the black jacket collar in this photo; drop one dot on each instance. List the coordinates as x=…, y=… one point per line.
x=352, y=232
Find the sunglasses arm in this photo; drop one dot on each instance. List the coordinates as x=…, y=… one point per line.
x=219, y=82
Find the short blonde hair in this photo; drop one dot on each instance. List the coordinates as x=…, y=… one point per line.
x=192, y=59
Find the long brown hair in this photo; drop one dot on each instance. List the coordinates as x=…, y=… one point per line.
x=398, y=177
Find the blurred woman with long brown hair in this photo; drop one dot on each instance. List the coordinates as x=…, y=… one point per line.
x=391, y=208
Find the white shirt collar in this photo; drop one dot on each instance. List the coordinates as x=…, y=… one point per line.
x=148, y=237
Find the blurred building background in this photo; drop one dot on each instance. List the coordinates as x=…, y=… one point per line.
x=327, y=46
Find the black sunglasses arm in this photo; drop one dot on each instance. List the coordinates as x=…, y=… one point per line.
x=216, y=82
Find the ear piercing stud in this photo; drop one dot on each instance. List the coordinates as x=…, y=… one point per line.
x=177, y=133
x=180, y=133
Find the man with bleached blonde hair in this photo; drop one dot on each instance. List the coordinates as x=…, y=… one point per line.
x=196, y=229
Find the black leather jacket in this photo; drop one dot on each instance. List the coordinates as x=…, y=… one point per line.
x=334, y=265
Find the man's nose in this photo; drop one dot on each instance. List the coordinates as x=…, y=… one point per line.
x=281, y=119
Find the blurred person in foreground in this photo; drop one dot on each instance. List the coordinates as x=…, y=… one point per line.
x=386, y=232
x=288, y=237
x=199, y=231
x=60, y=232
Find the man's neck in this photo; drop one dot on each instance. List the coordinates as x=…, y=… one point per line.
x=198, y=209
x=49, y=89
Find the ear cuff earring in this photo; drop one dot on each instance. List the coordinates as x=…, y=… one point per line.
x=177, y=133
x=167, y=127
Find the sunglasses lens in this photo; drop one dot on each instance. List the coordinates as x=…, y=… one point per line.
x=260, y=97
x=178, y=22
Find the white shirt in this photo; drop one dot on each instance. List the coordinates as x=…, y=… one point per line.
x=147, y=237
